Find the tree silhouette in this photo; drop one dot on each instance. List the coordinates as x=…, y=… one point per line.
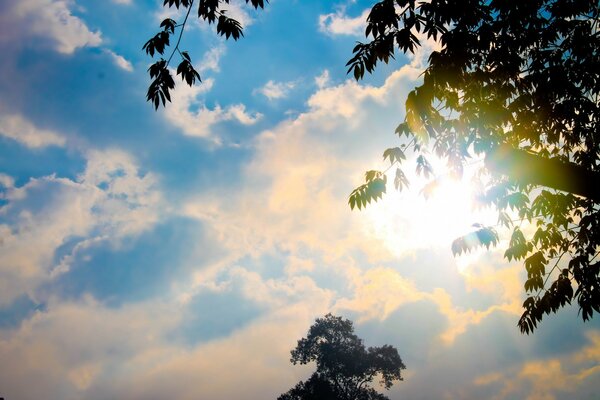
x=515, y=81
x=345, y=368
x=518, y=82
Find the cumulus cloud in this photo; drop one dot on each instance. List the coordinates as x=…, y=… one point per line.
x=6, y=181
x=275, y=90
x=49, y=21
x=16, y=127
x=210, y=60
x=339, y=23
x=71, y=346
x=322, y=80
x=194, y=118
x=299, y=180
x=302, y=171
x=110, y=200
x=120, y=61
x=547, y=378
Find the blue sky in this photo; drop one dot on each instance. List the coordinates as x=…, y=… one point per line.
x=182, y=253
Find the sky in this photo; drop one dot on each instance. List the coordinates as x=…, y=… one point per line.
x=181, y=253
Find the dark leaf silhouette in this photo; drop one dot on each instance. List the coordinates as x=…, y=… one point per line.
x=210, y=11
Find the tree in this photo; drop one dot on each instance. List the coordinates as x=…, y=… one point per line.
x=519, y=78
x=345, y=369
x=515, y=81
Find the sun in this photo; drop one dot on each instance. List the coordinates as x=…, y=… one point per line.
x=409, y=221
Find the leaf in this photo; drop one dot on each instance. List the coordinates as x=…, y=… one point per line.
x=364, y=194
x=177, y=3
x=394, y=154
x=187, y=71
x=423, y=167
x=229, y=27
x=256, y=3
x=400, y=180
x=372, y=174
x=403, y=129
x=518, y=246
x=158, y=91
x=157, y=43
x=168, y=25
x=484, y=236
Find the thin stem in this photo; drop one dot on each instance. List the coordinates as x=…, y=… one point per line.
x=181, y=32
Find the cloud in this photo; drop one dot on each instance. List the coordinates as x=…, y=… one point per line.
x=110, y=200
x=47, y=21
x=6, y=181
x=299, y=180
x=194, y=118
x=275, y=90
x=322, y=80
x=18, y=128
x=551, y=378
x=238, y=11
x=302, y=171
x=71, y=346
x=210, y=60
x=120, y=61
x=339, y=23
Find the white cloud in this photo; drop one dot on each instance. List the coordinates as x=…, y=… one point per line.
x=18, y=128
x=238, y=11
x=322, y=80
x=6, y=181
x=109, y=200
x=275, y=90
x=71, y=346
x=299, y=180
x=210, y=60
x=339, y=23
x=194, y=118
x=120, y=61
x=47, y=20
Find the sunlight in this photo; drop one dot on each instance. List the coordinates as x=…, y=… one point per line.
x=408, y=221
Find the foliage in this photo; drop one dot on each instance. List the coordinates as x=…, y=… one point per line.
x=210, y=11
x=345, y=368
x=522, y=75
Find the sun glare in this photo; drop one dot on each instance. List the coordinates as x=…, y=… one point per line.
x=408, y=221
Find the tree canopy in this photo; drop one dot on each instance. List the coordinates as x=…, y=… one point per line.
x=510, y=77
x=345, y=368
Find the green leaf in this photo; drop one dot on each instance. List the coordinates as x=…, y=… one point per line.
x=485, y=236
x=400, y=180
x=394, y=154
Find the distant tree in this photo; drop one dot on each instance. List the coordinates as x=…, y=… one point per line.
x=345, y=368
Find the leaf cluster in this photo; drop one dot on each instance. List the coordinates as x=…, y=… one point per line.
x=211, y=11
x=518, y=74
